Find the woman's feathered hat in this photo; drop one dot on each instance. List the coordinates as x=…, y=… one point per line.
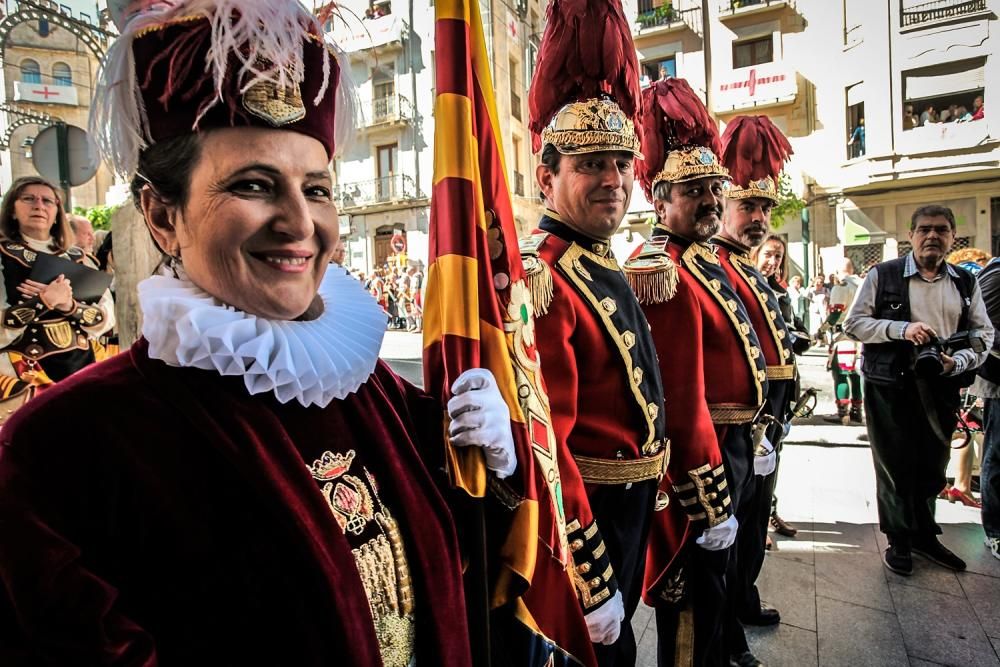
x=180, y=66
x=584, y=97
x=680, y=139
x=755, y=151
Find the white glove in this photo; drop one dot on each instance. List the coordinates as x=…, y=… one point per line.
x=719, y=537
x=480, y=418
x=605, y=622
x=764, y=464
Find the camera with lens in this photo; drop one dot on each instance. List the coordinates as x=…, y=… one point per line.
x=928, y=364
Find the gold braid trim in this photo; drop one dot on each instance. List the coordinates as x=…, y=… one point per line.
x=591, y=141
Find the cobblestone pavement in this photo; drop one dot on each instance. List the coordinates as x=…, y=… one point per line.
x=839, y=605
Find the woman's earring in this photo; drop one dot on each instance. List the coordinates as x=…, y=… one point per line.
x=175, y=263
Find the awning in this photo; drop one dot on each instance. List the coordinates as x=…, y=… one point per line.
x=859, y=229
x=962, y=77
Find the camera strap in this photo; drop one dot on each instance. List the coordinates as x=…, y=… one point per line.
x=930, y=407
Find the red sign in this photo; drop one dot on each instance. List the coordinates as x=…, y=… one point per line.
x=398, y=242
x=756, y=85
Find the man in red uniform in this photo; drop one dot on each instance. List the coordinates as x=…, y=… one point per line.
x=713, y=375
x=754, y=150
x=593, y=340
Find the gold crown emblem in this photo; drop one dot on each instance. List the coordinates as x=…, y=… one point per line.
x=330, y=466
x=764, y=188
x=689, y=163
x=591, y=126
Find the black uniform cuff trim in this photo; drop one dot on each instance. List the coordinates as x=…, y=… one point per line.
x=592, y=573
x=706, y=497
x=23, y=314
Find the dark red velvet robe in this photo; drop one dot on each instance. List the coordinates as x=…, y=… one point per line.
x=152, y=515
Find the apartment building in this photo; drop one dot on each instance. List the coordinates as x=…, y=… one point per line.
x=820, y=69
x=384, y=179
x=50, y=62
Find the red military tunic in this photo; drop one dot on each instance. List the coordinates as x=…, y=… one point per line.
x=193, y=524
x=713, y=376
x=604, y=388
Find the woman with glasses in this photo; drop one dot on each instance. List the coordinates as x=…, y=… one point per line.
x=46, y=332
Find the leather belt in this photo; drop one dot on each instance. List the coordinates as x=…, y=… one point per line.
x=732, y=413
x=621, y=471
x=782, y=372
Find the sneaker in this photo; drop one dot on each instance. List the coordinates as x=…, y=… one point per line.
x=782, y=527
x=898, y=559
x=993, y=544
x=936, y=552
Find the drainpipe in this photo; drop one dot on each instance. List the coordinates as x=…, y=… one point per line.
x=706, y=41
x=410, y=39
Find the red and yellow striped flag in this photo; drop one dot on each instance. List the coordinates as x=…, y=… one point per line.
x=478, y=314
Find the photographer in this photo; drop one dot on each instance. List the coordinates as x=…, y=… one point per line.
x=903, y=310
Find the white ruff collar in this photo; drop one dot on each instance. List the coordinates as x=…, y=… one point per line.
x=313, y=362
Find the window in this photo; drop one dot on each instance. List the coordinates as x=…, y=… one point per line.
x=43, y=28
x=518, y=174
x=515, y=98
x=855, y=121
x=654, y=70
x=944, y=93
x=387, y=159
x=531, y=57
x=62, y=75
x=753, y=52
x=30, y=72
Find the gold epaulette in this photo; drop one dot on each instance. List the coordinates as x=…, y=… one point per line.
x=652, y=274
x=537, y=272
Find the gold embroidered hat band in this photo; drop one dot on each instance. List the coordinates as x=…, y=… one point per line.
x=591, y=126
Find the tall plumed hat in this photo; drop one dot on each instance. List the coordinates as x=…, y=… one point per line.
x=183, y=66
x=754, y=150
x=680, y=139
x=584, y=97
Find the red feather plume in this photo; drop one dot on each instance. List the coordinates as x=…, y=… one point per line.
x=753, y=148
x=586, y=50
x=672, y=116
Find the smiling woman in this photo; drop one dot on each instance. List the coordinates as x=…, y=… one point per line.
x=259, y=488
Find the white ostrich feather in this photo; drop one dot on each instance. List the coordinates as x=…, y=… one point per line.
x=265, y=35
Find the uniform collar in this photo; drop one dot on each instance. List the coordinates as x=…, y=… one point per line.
x=911, y=269
x=660, y=230
x=553, y=224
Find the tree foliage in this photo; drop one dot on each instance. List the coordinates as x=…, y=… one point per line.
x=99, y=216
x=789, y=206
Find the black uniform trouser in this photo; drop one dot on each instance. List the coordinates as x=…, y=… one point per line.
x=910, y=459
x=623, y=513
x=699, y=624
x=752, y=539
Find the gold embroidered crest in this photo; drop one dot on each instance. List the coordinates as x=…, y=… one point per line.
x=59, y=334
x=278, y=105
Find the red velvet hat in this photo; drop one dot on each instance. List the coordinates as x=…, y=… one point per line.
x=187, y=66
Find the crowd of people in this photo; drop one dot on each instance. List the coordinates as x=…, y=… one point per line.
x=399, y=290
x=953, y=113
x=265, y=490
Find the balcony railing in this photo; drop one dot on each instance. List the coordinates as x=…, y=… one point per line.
x=384, y=110
x=729, y=7
x=518, y=184
x=667, y=15
x=385, y=190
x=914, y=14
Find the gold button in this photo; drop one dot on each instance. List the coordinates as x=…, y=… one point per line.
x=745, y=328
x=584, y=569
x=637, y=375
x=715, y=284
x=781, y=334
x=628, y=338
x=773, y=315
x=609, y=305
x=732, y=305
x=596, y=582
x=576, y=545
x=711, y=495
x=653, y=410
x=754, y=352
x=787, y=354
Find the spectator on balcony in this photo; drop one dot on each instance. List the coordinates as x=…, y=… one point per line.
x=858, y=139
x=979, y=110
x=910, y=119
x=962, y=115
x=929, y=115
x=949, y=115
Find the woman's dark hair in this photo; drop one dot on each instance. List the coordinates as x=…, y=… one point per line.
x=166, y=167
x=104, y=252
x=61, y=232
